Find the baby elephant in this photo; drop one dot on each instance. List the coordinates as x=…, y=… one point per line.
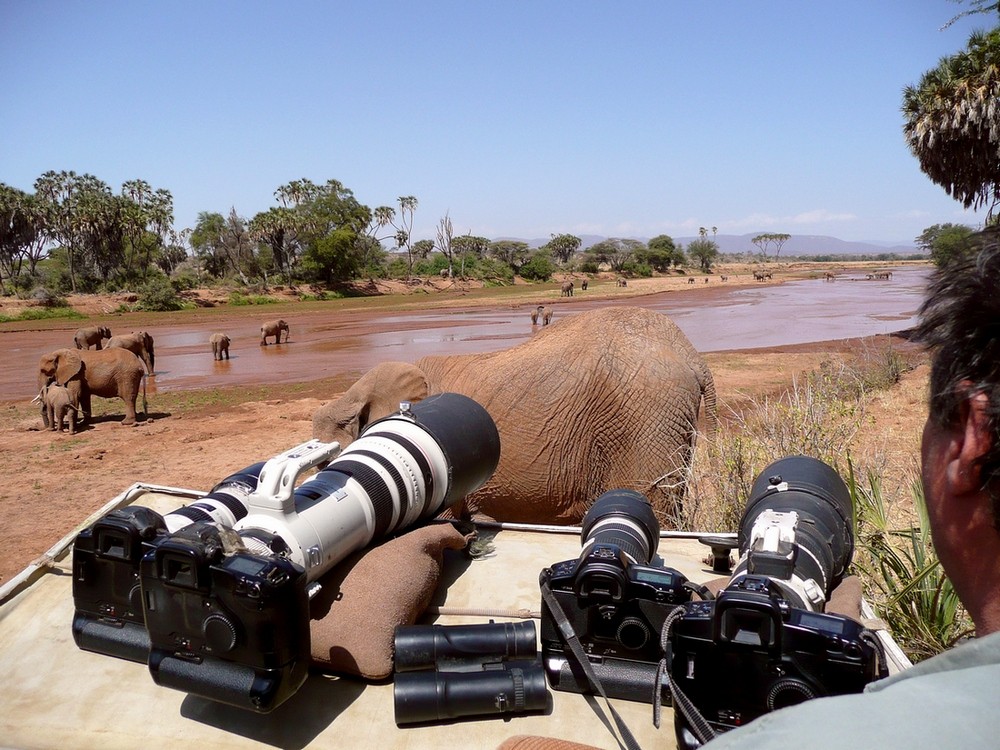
x=220, y=345
x=58, y=402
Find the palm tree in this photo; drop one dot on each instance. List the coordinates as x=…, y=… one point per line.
x=953, y=122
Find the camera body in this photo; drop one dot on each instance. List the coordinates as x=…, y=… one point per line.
x=617, y=609
x=748, y=652
x=765, y=642
x=109, y=617
x=229, y=618
x=227, y=609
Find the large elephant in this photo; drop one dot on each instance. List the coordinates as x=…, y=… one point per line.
x=109, y=373
x=220, y=345
x=139, y=343
x=91, y=336
x=273, y=328
x=607, y=399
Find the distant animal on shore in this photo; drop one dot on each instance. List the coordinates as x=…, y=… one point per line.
x=583, y=285
x=567, y=289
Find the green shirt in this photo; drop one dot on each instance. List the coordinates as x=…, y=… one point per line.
x=949, y=701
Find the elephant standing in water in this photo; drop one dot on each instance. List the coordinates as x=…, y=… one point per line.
x=139, y=343
x=273, y=328
x=607, y=399
x=220, y=345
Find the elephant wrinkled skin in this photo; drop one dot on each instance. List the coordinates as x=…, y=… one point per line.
x=607, y=399
x=109, y=373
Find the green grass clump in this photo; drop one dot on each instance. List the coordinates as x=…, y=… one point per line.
x=43, y=313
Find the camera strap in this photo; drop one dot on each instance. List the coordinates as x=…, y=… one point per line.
x=626, y=740
x=699, y=726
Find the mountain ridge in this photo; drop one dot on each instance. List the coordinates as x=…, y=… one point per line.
x=802, y=244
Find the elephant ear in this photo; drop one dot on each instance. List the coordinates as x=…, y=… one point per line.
x=69, y=364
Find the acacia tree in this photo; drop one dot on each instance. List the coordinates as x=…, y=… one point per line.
x=616, y=252
x=704, y=251
x=945, y=242
x=562, y=246
x=764, y=241
x=952, y=121
x=512, y=252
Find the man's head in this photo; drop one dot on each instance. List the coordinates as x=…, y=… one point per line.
x=960, y=453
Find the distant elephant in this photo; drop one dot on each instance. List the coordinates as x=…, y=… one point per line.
x=583, y=285
x=541, y=313
x=577, y=413
x=109, y=373
x=139, y=343
x=620, y=281
x=88, y=337
x=273, y=328
x=566, y=290
x=220, y=345
x=58, y=405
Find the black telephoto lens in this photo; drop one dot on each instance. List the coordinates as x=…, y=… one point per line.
x=824, y=531
x=625, y=519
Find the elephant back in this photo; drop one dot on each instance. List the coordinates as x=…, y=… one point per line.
x=605, y=398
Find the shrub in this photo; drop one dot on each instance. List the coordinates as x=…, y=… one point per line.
x=539, y=267
x=157, y=295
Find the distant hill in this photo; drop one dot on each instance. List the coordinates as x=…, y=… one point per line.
x=799, y=244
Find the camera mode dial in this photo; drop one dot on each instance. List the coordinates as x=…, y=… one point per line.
x=219, y=632
x=632, y=633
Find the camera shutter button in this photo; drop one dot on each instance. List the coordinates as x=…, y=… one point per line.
x=219, y=632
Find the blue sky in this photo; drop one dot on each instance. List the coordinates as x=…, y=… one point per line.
x=524, y=119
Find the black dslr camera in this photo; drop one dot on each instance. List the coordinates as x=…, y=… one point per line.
x=615, y=601
x=765, y=643
x=227, y=610
x=108, y=616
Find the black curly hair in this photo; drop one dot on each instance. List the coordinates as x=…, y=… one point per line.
x=960, y=326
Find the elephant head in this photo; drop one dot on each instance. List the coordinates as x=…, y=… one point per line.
x=607, y=399
x=59, y=366
x=376, y=394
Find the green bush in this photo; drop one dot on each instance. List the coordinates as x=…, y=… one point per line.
x=239, y=299
x=157, y=295
x=539, y=267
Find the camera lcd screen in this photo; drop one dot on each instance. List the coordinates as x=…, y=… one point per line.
x=823, y=623
x=248, y=566
x=662, y=577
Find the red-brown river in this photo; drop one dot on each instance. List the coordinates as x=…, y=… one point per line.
x=328, y=344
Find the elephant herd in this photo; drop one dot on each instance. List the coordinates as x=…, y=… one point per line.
x=109, y=366
x=577, y=413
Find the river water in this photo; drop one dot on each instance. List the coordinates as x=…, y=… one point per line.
x=326, y=344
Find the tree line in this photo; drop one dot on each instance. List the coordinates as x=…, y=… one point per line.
x=74, y=233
